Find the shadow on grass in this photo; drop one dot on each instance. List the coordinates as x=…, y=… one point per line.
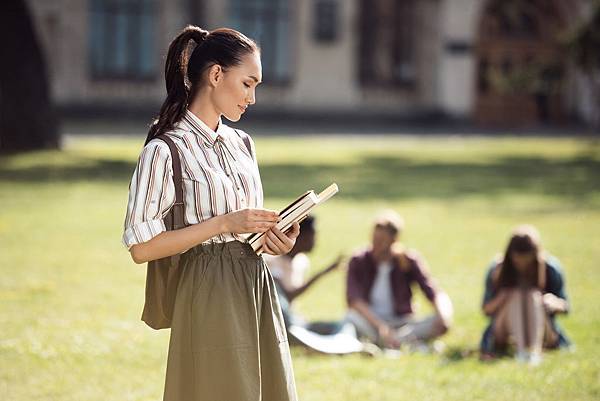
x=395, y=178
x=375, y=177
x=459, y=354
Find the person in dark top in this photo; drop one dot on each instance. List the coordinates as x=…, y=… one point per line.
x=289, y=271
x=329, y=337
x=524, y=291
x=379, y=294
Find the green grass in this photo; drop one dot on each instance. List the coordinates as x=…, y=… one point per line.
x=70, y=298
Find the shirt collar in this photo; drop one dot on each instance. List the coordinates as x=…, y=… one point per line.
x=199, y=127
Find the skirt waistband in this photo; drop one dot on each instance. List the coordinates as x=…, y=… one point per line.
x=235, y=249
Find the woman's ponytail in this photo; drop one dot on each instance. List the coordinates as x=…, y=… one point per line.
x=223, y=46
x=178, y=86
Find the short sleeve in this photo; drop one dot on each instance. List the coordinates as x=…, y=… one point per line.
x=299, y=266
x=555, y=278
x=490, y=288
x=151, y=194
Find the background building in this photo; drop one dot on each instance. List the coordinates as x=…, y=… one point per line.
x=495, y=62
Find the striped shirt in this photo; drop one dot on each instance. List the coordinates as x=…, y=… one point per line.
x=219, y=176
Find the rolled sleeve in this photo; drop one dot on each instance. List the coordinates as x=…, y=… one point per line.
x=142, y=232
x=151, y=194
x=421, y=275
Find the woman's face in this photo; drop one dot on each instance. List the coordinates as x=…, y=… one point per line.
x=237, y=88
x=522, y=261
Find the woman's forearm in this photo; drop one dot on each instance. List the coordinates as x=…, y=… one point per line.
x=173, y=242
x=491, y=307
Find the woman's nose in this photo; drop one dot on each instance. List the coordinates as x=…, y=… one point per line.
x=251, y=99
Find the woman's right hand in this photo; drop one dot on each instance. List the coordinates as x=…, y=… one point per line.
x=245, y=221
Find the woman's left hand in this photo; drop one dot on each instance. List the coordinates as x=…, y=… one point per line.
x=279, y=243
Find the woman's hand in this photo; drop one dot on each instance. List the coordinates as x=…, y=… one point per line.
x=279, y=243
x=554, y=304
x=245, y=221
x=493, y=305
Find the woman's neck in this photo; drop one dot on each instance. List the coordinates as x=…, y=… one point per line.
x=202, y=108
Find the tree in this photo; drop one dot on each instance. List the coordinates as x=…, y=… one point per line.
x=28, y=119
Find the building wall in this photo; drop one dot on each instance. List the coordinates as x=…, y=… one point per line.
x=324, y=77
x=459, y=21
x=63, y=27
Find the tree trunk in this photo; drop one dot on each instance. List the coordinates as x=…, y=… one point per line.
x=28, y=119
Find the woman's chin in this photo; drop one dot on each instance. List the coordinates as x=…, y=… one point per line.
x=233, y=117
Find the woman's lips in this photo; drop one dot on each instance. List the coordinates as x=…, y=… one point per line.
x=243, y=109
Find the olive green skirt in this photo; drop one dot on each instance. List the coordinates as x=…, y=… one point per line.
x=228, y=340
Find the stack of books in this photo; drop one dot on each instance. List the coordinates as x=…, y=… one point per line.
x=295, y=212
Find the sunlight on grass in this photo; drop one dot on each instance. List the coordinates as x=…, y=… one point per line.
x=70, y=297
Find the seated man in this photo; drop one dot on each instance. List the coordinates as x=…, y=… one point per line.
x=289, y=271
x=379, y=291
x=334, y=337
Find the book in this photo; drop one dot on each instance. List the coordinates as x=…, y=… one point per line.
x=294, y=212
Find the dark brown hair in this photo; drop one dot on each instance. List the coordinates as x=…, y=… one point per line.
x=191, y=52
x=524, y=239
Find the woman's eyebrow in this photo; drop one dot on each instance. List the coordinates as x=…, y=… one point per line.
x=254, y=78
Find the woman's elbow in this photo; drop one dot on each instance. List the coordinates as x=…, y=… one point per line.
x=137, y=255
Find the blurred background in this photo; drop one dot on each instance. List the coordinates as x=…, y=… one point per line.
x=509, y=63
x=468, y=117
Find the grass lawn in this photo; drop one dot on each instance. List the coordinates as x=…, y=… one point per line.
x=70, y=297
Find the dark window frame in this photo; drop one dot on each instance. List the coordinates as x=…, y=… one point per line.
x=267, y=13
x=396, y=20
x=102, y=46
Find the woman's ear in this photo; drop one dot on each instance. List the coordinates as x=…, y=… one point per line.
x=215, y=75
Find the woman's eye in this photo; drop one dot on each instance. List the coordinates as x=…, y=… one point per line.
x=246, y=85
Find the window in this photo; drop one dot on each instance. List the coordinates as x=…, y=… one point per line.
x=387, y=42
x=267, y=22
x=325, y=29
x=122, y=39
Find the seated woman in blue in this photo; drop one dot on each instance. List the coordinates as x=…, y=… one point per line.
x=524, y=291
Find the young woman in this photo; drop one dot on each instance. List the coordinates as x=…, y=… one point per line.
x=228, y=340
x=523, y=293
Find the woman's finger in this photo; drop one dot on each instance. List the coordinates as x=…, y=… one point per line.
x=257, y=229
x=266, y=249
x=295, y=231
x=273, y=248
x=287, y=238
x=263, y=215
x=276, y=240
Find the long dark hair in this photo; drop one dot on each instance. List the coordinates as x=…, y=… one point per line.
x=190, y=53
x=524, y=239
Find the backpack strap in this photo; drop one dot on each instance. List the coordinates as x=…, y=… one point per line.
x=246, y=140
x=176, y=162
